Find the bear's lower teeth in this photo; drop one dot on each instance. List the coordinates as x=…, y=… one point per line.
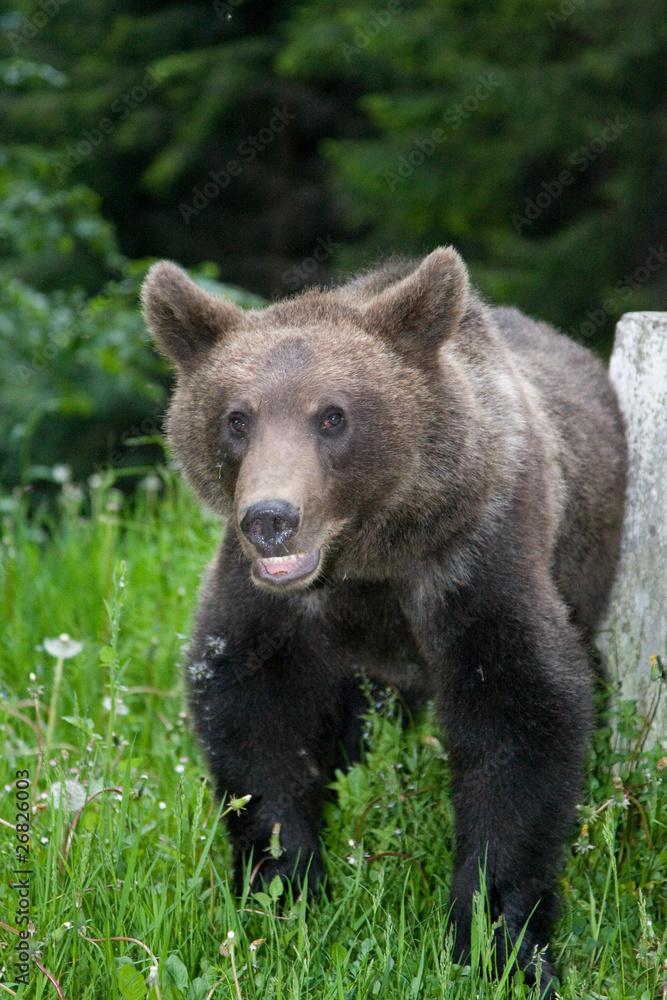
x=282, y=559
x=277, y=569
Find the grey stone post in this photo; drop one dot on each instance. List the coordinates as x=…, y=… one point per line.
x=635, y=631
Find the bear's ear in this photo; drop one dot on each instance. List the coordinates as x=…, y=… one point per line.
x=183, y=318
x=419, y=312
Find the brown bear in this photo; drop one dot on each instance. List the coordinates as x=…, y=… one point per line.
x=421, y=487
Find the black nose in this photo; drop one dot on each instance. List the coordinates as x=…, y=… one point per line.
x=269, y=525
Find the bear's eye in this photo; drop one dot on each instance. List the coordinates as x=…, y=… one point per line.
x=332, y=419
x=238, y=423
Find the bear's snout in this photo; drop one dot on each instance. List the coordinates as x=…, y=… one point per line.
x=269, y=525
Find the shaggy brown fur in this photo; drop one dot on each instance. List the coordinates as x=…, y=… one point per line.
x=420, y=485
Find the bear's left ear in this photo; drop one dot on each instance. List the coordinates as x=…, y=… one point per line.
x=419, y=312
x=184, y=319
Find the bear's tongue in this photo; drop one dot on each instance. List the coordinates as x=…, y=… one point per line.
x=284, y=568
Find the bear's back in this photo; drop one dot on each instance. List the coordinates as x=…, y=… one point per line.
x=571, y=381
x=579, y=399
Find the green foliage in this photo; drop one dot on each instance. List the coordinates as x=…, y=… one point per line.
x=548, y=170
x=132, y=891
x=476, y=111
x=150, y=102
x=78, y=378
x=52, y=238
x=77, y=373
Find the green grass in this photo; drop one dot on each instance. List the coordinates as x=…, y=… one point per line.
x=130, y=895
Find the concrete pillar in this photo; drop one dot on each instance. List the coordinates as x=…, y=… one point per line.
x=635, y=631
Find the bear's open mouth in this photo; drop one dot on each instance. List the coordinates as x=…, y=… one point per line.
x=285, y=569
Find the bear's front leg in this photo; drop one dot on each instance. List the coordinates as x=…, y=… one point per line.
x=265, y=703
x=514, y=695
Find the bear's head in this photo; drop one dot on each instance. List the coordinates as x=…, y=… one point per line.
x=315, y=424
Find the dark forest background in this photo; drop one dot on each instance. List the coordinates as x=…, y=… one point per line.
x=272, y=145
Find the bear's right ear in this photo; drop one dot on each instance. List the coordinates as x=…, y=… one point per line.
x=183, y=318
